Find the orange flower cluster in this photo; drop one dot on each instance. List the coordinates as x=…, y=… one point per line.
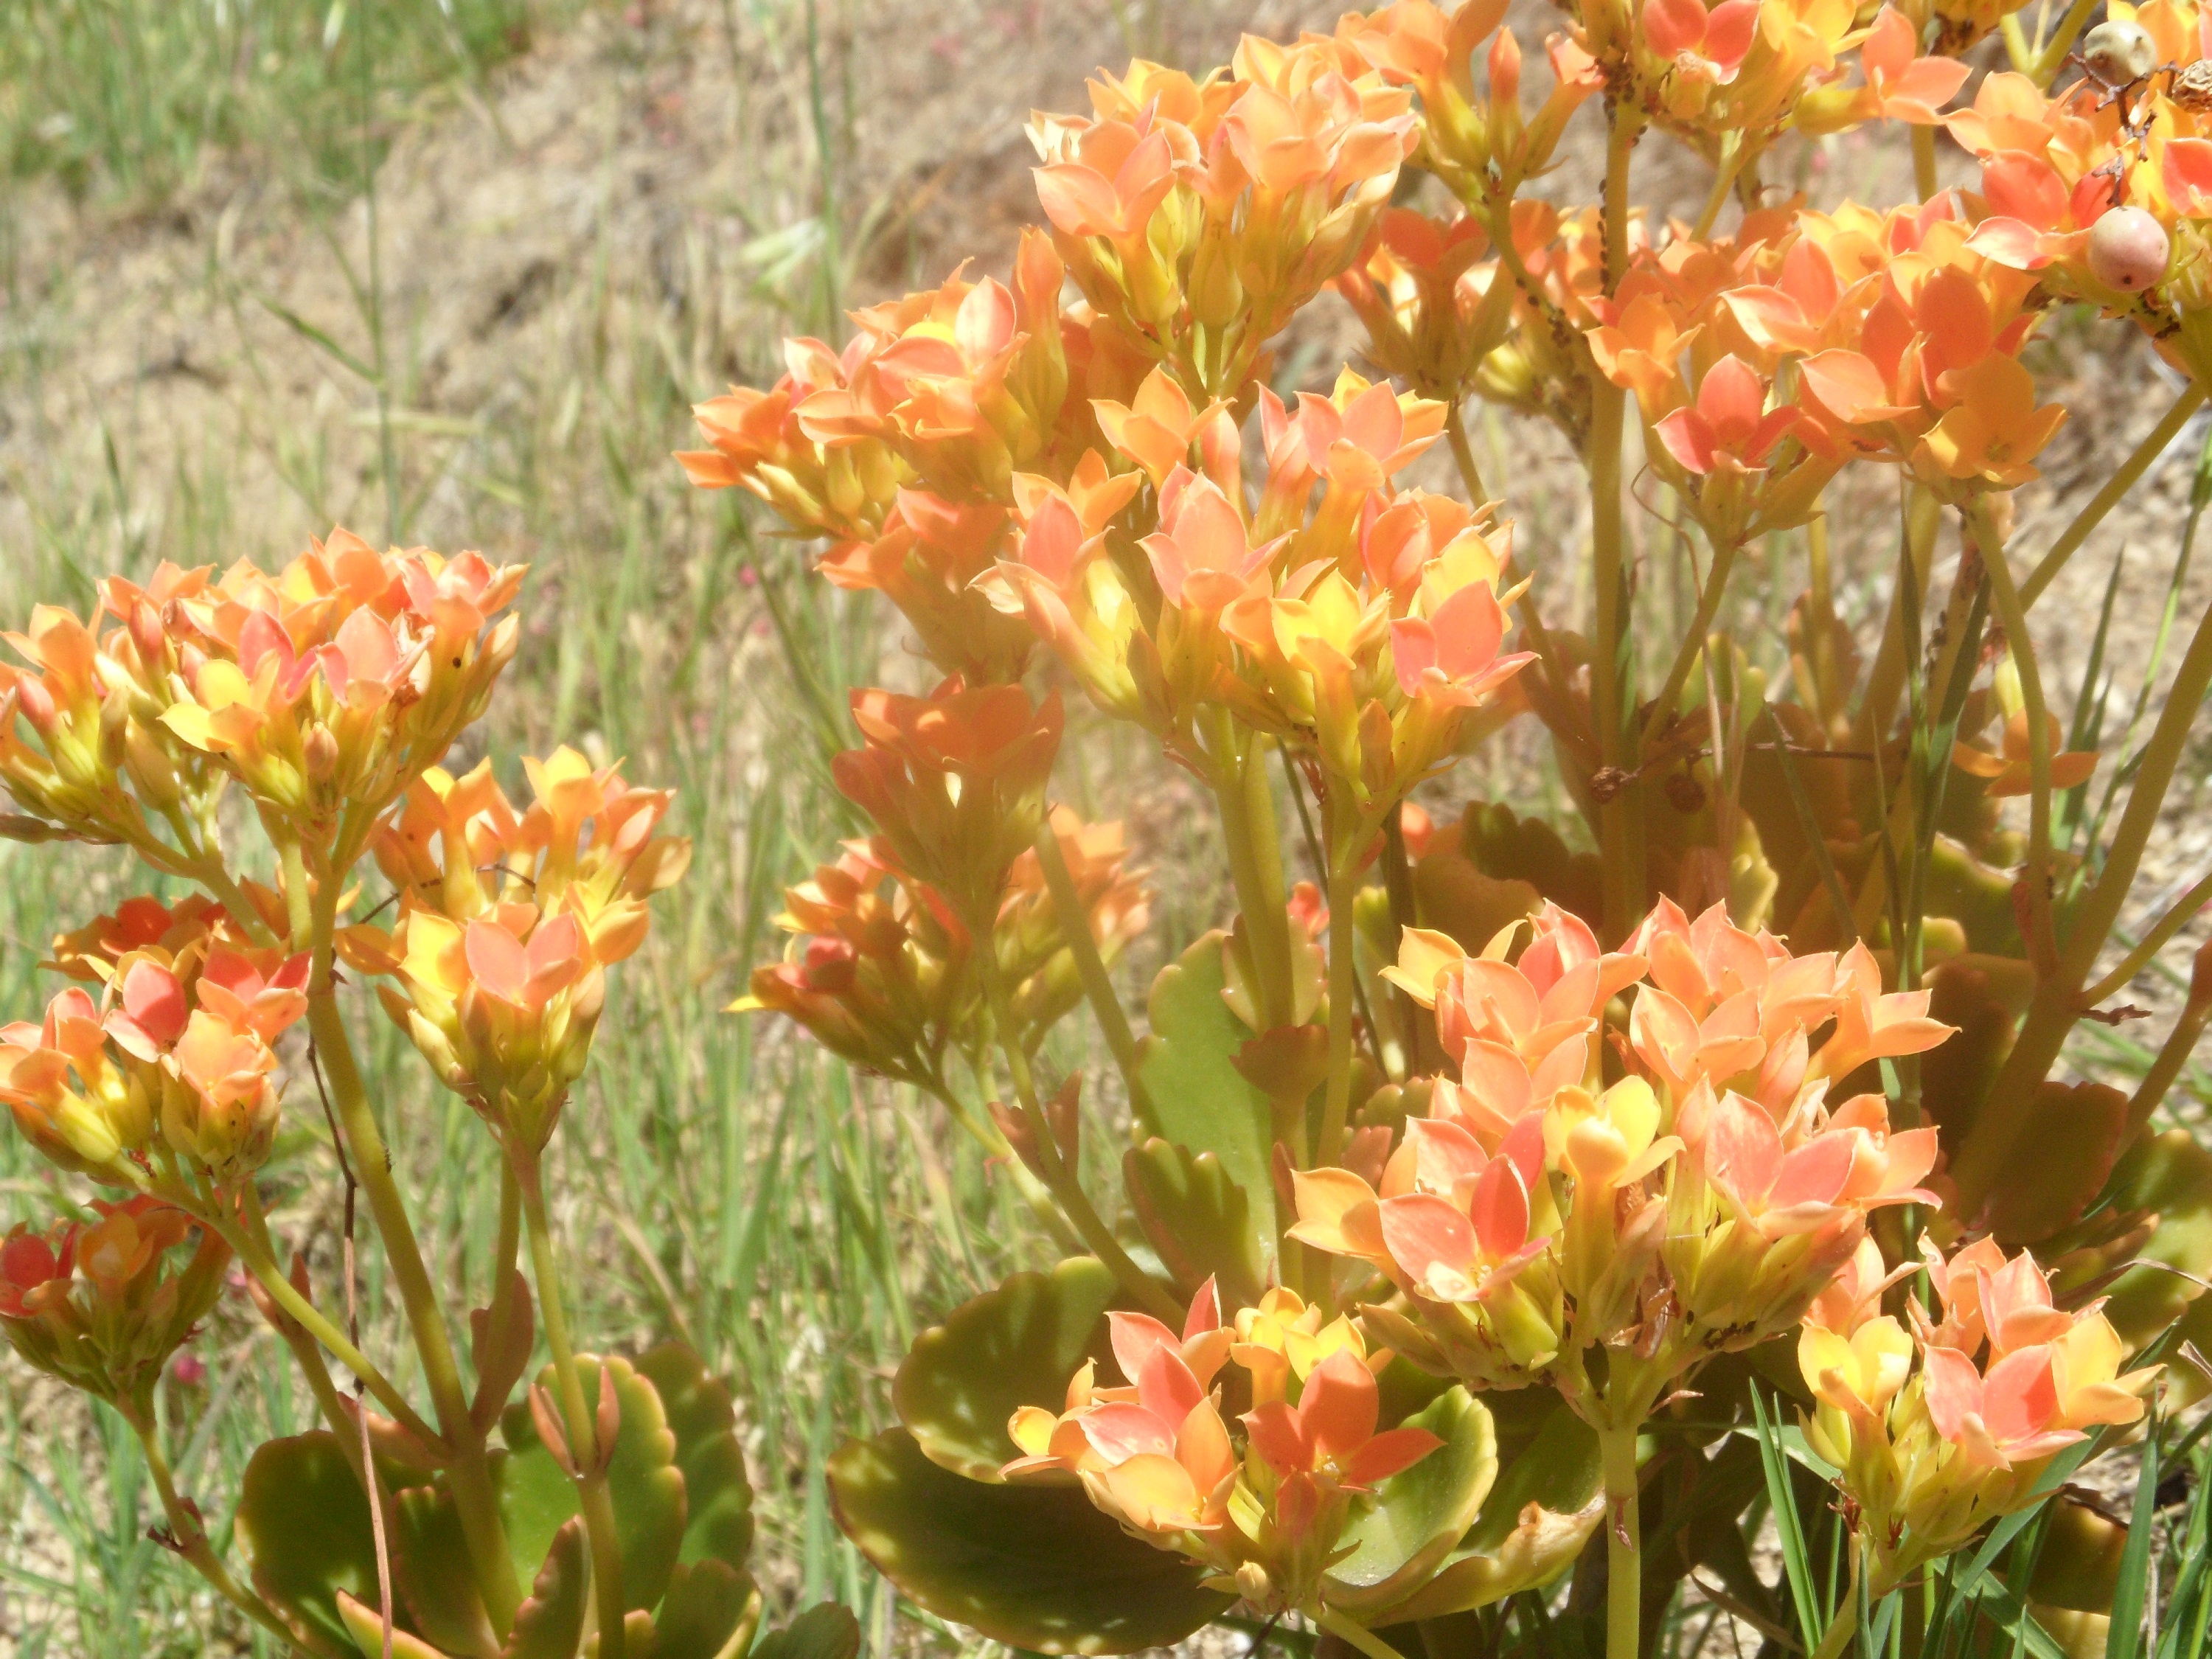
x=102, y=1304
x=2102, y=189
x=1709, y=1199
x=1160, y=1457
x=1931, y=1451
x=880, y=966
x=508, y=921
x=174, y=1063
x=322, y=689
x=1363, y=628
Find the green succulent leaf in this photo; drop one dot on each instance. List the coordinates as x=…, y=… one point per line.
x=430, y=1559
x=1419, y=1513
x=1535, y=1521
x=2170, y=1174
x=1196, y=1218
x=643, y=1480
x=305, y=1526
x=1017, y=1345
x=2059, y=1162
x=703, y=1614
x=551, y=1623
x=825, y=1630
x=365, y=1624
x=1198, y=1098
x=1034, y=1567
x=718, y=1512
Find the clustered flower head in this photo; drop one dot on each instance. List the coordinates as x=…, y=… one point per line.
x=175, y=1060
x=1694, y=1206
x=103, y=1303
x=1158, y=1456
x=1941, y=1428
x=322, y=689
x=879, y=967
x=495, y=966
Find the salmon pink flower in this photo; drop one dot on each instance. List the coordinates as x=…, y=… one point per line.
x=2012, y=772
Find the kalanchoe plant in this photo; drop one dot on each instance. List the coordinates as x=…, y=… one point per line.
x=597, y=1505
x=1475, y=1188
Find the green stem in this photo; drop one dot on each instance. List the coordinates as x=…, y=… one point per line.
x=2178, y=916
x=1733, y=152
x=311, y=1319
x=2054, y=54
x=2091, y=514
x=2005, y=599
x=986, y=1134
x=469, y=1474
x=191, y=1539
x=1256, y=873
x=1624, y=1546
x=1066, y=1184
x=1618, y=824
x=587, y=1454
x=2056, y=1006
x=1915, y=559
x=1470, y=477
x=1343, y=897
x=1357, y=1635
x=1923, y=162
x=2174, y=1055
x=1090, y=967
x=1841, y=1629
x=1693, y=642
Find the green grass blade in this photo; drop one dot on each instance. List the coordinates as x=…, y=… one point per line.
x=2124, y=1639
x=1787, y=1524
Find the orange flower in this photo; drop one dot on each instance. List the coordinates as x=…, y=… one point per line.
x=954, y=781
x=2012, y=772
x=99, y=1305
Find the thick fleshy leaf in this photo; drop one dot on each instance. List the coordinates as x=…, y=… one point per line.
x=366, y=1624
x=2171, y=1174
x=825, y=1630
x=1540, y=1512
x=2060, y=1161
x=718, y=1499
x=701, y=1615
x=1197, y=1219
x=1418, y=1515
x=430, y=1559
x=305, y=1526
x=643, y=1480
x=1014, y=1347
x=551, y=1623
x=1198, y=1098
x=1034, y=1567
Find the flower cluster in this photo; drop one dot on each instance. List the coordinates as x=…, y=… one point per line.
x=174, y=1062
x=103, y=1303
x=879, y=969
x=1158, y=1456
x=1941, y=1428
x=1695, y=1206
x=322, y=689
x=495, y=966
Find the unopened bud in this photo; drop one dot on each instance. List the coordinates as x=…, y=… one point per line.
x=114, y=732
x=38, y=705
x=152, y=773
x=146, y=634
x=320, y=755
x=1257, y=1589
x=2129, y=249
